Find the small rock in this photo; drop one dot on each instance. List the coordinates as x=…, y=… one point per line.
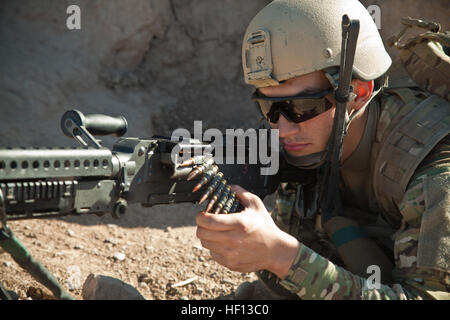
x=70, y=232
x=112, y=241
x=143, y=277
x=35, y=293
x=107, y=288
x=168, y=229
x=74, y=280
x=22, y=294
x=171, y=291
x=7, y=264
x=197, y=247
x=119, y=256
x=143, y=285
x=198, y=291
x=227, y=281
x=78, y=247
x=183, y=283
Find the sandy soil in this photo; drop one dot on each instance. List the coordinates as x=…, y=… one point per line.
x=152, y=249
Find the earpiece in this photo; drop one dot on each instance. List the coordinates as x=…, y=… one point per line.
x=361, y=92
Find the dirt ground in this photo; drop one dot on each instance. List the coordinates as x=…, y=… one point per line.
x=153, y=249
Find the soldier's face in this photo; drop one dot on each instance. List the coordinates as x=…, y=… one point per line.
x=308, y=137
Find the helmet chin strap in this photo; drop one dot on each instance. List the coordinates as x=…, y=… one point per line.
x=310, y=161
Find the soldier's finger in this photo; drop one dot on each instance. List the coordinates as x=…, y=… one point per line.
x=246, y=198
x=210, y=245
x=217, y=222
x=223, y=237
x=219, y=258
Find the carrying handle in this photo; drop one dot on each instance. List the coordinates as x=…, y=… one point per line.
x=95, y=124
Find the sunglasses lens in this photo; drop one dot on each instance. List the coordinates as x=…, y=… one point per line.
x=295, y=110
x=310, y=108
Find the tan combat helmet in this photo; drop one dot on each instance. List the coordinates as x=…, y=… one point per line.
x=289, y=38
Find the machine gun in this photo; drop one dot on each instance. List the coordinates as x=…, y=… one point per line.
x=92, y=179
x=51, y=182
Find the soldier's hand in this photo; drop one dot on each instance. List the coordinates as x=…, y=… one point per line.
x=248, y=240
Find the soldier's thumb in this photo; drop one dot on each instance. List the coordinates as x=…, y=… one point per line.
x=247, y=199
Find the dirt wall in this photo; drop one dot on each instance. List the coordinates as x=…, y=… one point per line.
x=159, y=63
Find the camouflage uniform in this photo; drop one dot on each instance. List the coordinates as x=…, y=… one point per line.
x=418, y=248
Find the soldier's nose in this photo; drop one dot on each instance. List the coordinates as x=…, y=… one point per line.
x=287, y=128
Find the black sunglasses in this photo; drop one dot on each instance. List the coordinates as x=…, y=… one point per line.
x=294, y=108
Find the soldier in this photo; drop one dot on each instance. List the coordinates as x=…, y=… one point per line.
x=390, y=238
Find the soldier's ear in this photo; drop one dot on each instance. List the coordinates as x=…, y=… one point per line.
x=363, y=91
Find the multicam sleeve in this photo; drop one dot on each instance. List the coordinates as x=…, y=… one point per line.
x=312, y=277
x=285, y=200
x=421, y=249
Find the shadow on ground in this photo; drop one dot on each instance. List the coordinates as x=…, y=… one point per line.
x=160, y=216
